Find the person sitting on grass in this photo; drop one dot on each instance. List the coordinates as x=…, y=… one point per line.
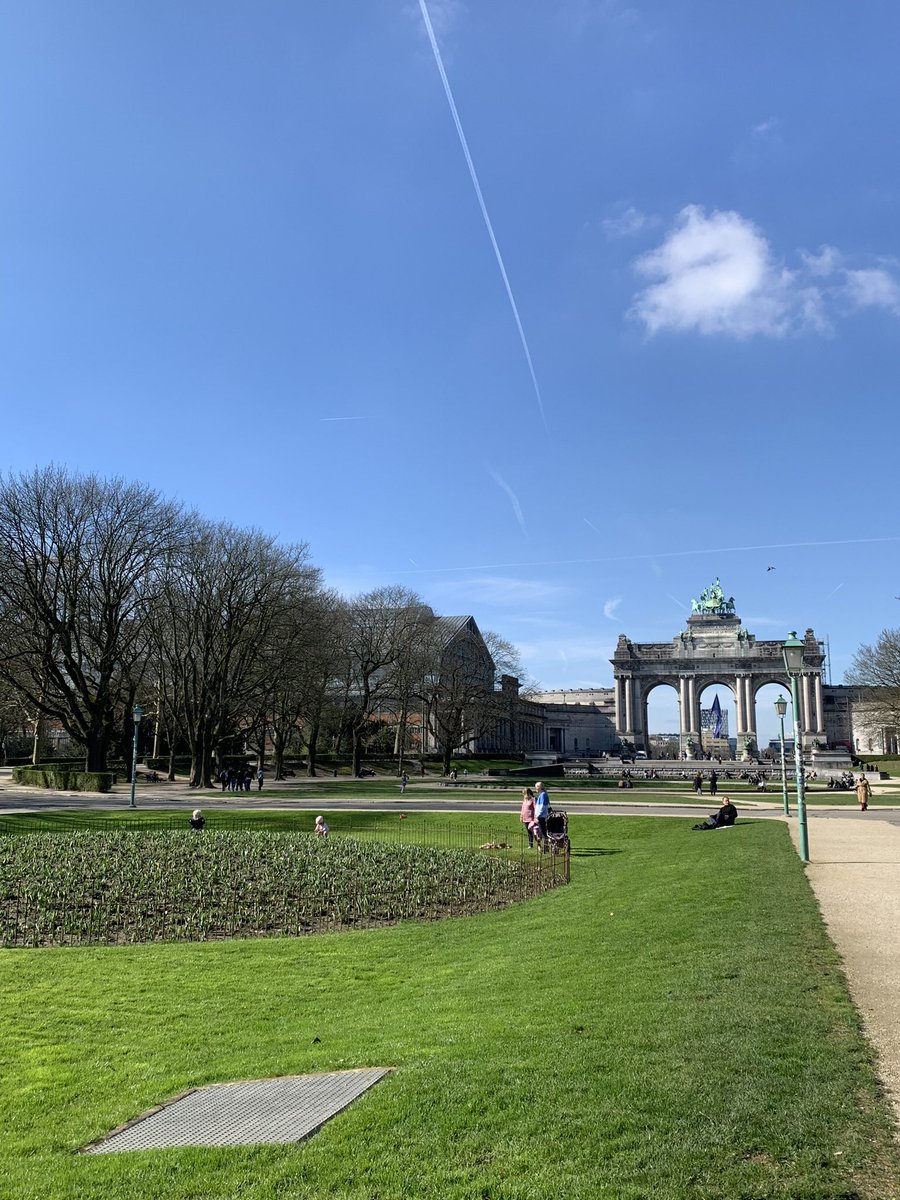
x=197, y=819
x=727, y=815
x=321, y=829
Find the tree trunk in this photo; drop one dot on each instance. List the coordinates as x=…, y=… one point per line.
x=95, y=750
x=357, y=755
x=400, y=739
x=200, y=756
x=279, y=743
x=312, y=746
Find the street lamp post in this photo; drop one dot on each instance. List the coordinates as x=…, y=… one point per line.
x=793, y=664
x=781, y=709
x=137, y=713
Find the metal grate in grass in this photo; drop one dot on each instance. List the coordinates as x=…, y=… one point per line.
x=244, y=1114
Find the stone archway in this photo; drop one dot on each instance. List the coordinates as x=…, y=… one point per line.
x=712, y=648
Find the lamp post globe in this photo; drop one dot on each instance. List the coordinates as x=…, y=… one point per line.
x=792, y=652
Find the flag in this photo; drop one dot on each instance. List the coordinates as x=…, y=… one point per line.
x=716, y=711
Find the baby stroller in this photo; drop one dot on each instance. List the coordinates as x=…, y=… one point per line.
x=557, y=832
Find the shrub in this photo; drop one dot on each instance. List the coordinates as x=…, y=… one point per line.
x=64, y=779
x=93, y=781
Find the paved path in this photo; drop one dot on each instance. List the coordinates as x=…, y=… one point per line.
x=854, y=871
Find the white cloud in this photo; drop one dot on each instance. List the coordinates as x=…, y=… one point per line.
x=628, y=223
x=873, y=288
x=766, y=128
x=715, y=275
x=609, y=608
x=864, y=287
x=500, y=590
x=826, y=262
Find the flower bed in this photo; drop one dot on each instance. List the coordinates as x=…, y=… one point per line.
x=126, y=887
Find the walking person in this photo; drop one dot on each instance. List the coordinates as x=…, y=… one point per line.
x=404, y=780
x=526, y=815
x=863, y=792
x=713, y=783
x=541, y=810
x=698, y=783
x=260, y=779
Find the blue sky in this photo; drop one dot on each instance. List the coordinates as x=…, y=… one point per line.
x=243, y=260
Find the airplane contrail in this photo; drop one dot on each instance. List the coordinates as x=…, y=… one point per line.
x=833, y=590
x=484, y=212
x=513, y=498
x=575, y=562
x=345, y=418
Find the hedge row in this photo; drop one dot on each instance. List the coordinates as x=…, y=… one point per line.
x=64, y=779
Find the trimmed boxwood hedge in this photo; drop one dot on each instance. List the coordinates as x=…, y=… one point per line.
x=64, y=779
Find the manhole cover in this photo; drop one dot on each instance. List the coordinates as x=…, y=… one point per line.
x=244, y=1114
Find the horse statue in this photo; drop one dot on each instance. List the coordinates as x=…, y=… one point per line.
x=712, y=600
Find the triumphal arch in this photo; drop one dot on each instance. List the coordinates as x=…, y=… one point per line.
x=713, y=648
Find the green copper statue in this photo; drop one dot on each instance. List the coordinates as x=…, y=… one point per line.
x=712, y=600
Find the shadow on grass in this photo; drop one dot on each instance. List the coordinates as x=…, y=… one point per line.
x=592, y=851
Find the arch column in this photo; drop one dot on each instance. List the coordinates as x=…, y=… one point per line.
x=751, y=707
x=820, y=707
x=738, y=706
x=693, y=706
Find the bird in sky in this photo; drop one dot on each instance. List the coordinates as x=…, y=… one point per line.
x=770, y=568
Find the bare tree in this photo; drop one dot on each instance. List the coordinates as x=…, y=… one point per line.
x=383, y=627
x=80, y=559
x=876, y=669
x=460, y=694
x=300, y=665
x=222, y=601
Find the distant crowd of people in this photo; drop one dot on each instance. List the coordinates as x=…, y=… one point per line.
x=236, y=779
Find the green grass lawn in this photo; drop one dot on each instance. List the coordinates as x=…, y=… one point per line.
x=509, y=793
x=673, y=1024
